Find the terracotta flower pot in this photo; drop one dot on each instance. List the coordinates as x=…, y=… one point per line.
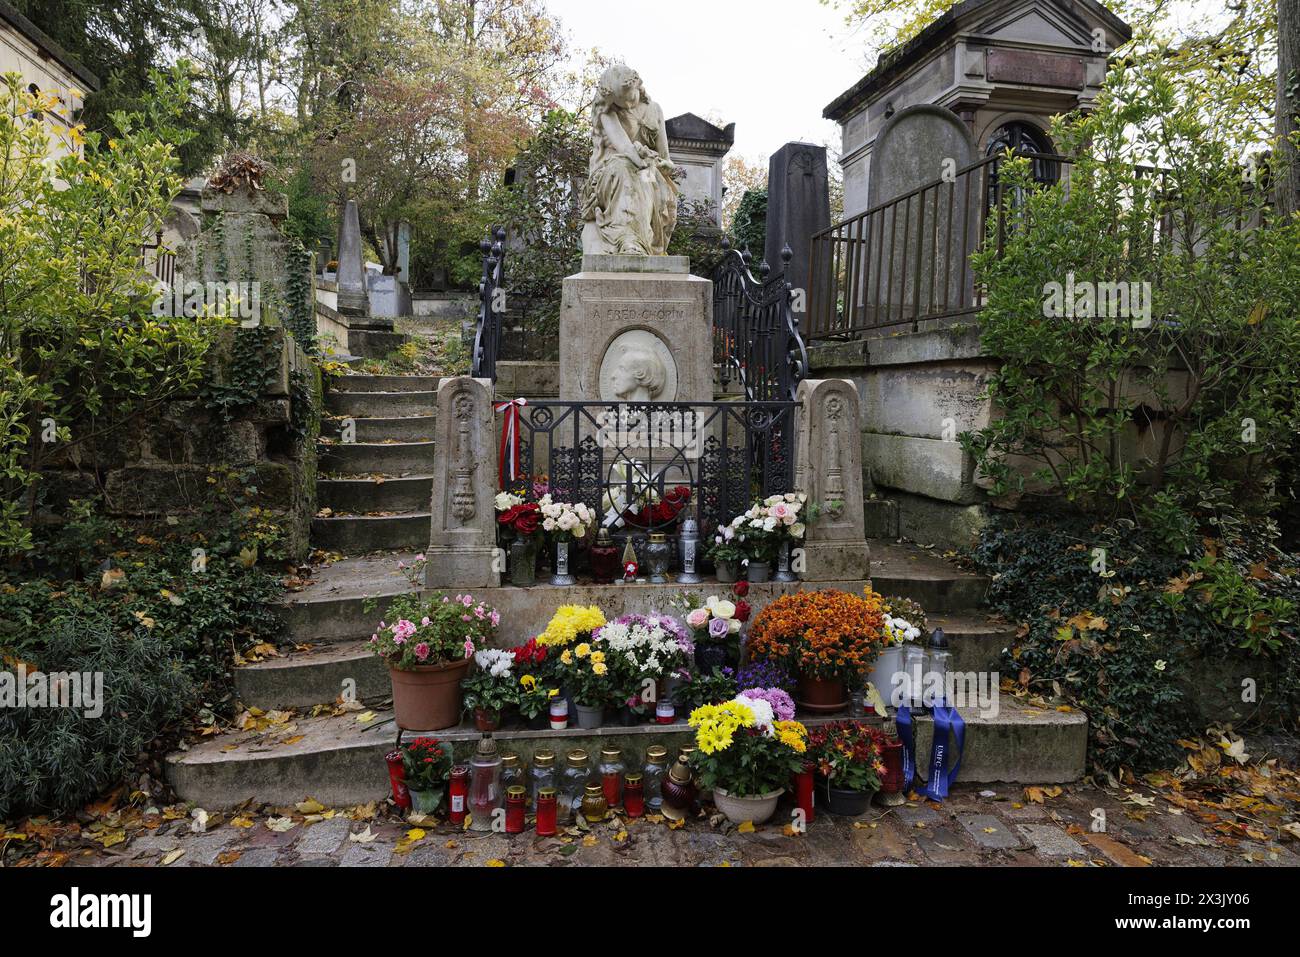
x=821, y=695
x=427, y=697
x=740, y=808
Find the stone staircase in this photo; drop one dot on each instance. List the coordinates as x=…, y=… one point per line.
x=373, y=493
x=336, y=757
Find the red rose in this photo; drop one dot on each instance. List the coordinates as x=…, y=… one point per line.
x=743, y=610
x=526, y=524
x=678, y=496
x=740, y=588
x=509, y=515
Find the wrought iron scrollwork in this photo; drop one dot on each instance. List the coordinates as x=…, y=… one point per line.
x=757, y=342
x=622, y=459
x=491, y=305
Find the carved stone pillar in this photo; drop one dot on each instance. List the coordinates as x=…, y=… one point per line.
x=828, y=466
x=462, y=549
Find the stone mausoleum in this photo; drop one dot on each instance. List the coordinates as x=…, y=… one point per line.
x=1004, y=67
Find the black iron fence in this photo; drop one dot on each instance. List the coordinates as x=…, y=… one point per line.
x=756, y=337
x=907, y=260
x=158, y=259
x=641, y=465
x=491, y=306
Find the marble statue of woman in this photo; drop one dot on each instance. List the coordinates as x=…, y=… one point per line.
x=630, y=201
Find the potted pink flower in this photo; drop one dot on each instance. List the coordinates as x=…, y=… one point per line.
x=428, y=645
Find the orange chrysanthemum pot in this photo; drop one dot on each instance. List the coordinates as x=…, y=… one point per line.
x=821, y=695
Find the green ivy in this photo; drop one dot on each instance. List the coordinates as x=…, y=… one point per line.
x=252, y=367
x=1119, y=627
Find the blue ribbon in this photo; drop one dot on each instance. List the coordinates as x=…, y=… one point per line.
x=946, y=720
x=904, y=721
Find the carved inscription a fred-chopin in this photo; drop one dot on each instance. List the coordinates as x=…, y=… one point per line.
x=650, y=313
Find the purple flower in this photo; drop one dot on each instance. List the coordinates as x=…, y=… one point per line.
x=782, y=704
x=718, y=628
x=765, y=674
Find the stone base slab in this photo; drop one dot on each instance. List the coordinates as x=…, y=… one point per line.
x=525, y=611
x=607, y=262
x=835, y=561
x=339, y=761
x=463, y=567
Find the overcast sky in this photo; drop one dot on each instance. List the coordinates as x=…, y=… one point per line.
x=769, y=67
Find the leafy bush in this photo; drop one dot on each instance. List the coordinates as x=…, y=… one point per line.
x=61, y=757
x=81, y=352
x=206, y=607
x=1133, y=635
x=1133, y=374
x=749, y=228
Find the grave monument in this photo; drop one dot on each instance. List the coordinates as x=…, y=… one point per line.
x=635, y=325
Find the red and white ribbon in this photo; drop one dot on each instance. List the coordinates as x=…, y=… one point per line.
x=508, y=455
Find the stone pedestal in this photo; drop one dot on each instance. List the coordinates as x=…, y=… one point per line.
x=462, y=549
x=828, y=466
x=636, y=336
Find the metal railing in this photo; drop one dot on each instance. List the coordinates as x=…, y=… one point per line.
x=756, y=338
x=907, y=260
x=492, y=307
x=621, y=458
x=158, y=259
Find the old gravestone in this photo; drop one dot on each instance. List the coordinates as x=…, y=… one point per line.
x=919, y=146
x=798, y=205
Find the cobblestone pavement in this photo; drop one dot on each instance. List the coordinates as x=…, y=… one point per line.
x=978, y=825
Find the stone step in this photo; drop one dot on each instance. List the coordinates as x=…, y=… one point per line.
x=304, y=678
x=332, y=607
x=410, y=493
x=386, y=458
x=374, y=343
x=318, y=675
x=379, y=405
x=912, y=572
x=362, y=534
x=409, y=428
x=976, y=640
x=339, y=760
x=384, y=383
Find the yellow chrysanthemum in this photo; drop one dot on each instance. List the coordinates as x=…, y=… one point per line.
x=792, y=741
x=570, y=621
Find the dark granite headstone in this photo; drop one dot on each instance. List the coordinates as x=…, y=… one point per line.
x=798, y=205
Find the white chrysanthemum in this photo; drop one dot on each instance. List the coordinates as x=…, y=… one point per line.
x=764, y=717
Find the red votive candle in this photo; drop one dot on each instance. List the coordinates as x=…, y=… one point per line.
x=397, y=779
x=634, y=794
x=459, y=790
x=803, y=792
x=516, y=798
x=546, y=812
